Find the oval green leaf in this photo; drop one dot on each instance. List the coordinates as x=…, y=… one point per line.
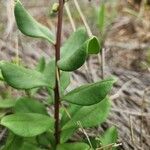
x=64, y=80
x=28, y=124
x=22, y=78
x=93, y=45
x=49, y=73
x=89, y=116
x=109, y=137
x=89, y=94
x=29, y=26
x=66, y=134
x=29, y=146
x=28, y=105
x=13, y=142
x=73, y=146
x=41, y=64
x=76, y=49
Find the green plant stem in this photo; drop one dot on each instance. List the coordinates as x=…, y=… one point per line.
x=57, y=57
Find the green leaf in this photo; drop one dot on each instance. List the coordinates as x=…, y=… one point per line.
x=64, y=80
x=29, y=146
x=101, y=18
x=89, y=94
x=41, y=65
x=13, y=142
x=28, y=124
x=22, y=78
x=29, y=26
x=66, y=134
x=47, y=139
x=93, y=45
x=1, y=76
x=7, y=103
x=76, y=49
x=49, y=73
x=89, y=116
x=73, y=146
x=109, y=137
x=28, y=105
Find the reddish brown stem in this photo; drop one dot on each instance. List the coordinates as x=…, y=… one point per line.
x=57, y=56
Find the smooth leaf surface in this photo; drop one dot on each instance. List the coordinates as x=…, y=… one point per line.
x=49, y=73
x=93, y=45
x=22, y=78
x=27, y=124
x=73, y=146
x=89, y=116
x=40, y=67
x=28, y=105
x=109, y=137
x=47, y=139
x=1, y=76
x=76, y=49
x=7, y=103
x=29, y=26
x=29, y=146
x=64, y=80
x=13, y=142
x=66, y=134
x=89, y=94
x=41, y=64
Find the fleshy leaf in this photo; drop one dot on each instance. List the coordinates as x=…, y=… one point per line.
x=109, y=137
x=28, y=124
x=7, y=103
x=29, y=146
x=41, y=64
x=66, y=134
x=28, y=105
x=1, y=77
x=89, y=94
x=89, y=116
x=22, y=78
x=45, y=139
x=29, y=26
x=73, y=146
x=49, y=73
x=93, y=45
x=76, y=49
x=13, y=142
x=64, y=80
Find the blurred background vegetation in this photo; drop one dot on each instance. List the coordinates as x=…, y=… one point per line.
x=127, y=55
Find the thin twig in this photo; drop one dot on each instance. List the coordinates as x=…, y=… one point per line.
x=2, y=134
x=57, y=56
x=17, y=59
x=84, y=132
x=142, y=119
x=80, y=126
x=83, y=18
x=131, y=130
x=142, y=9
x=109, y=146
x=115, y=96
x=70, y=16
x=103, y=63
